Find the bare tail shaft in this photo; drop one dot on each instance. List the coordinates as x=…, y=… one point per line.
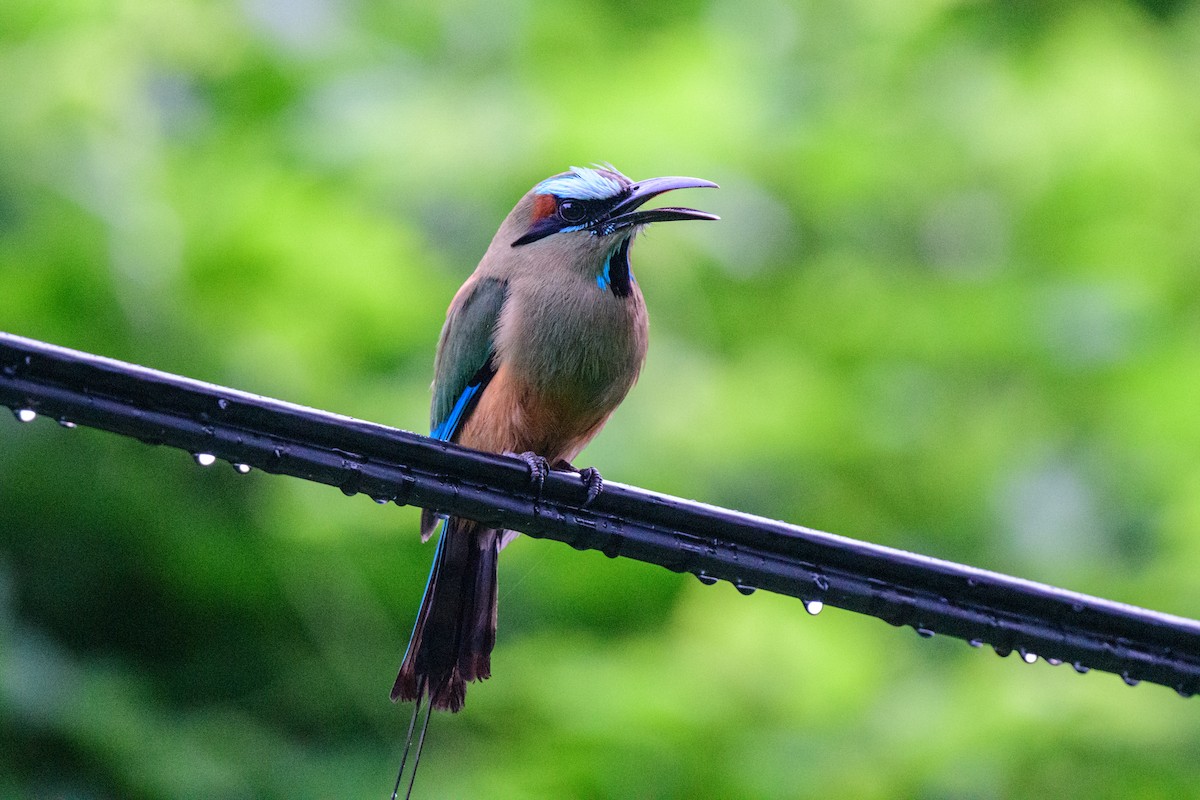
x=456, y=626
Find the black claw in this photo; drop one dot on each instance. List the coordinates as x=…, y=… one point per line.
x=594, y=483
x=538, y=469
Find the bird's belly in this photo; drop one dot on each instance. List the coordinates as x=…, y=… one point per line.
x=513, y=416
x=561, y=374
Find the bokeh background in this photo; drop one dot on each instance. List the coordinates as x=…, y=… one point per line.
x=952, y=306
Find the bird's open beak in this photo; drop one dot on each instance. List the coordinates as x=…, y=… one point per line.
x=626, y=213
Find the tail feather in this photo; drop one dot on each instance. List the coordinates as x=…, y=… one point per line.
x=455, y=631
x=429, y=523
x=480, y=627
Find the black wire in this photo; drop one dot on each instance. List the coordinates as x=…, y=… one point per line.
x=902, y=588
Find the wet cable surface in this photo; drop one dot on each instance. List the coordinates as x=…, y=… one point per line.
x=930, y=595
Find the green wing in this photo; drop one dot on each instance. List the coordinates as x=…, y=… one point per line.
x=464, y=362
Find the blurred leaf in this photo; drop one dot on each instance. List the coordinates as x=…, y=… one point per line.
x=952, y=306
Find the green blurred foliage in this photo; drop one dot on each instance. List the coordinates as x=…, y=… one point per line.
x=952, y=306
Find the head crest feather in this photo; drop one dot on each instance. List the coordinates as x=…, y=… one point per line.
x=581, y=183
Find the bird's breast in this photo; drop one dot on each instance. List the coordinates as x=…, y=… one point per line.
x=573, y=345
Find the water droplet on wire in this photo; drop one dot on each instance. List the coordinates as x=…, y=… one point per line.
x=66, y=423
x=241, y=468
x=813, y=607
x=205, y=459
x=25, y=414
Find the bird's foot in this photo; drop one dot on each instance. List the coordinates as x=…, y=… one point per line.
x=539, y=468
x=592, y=482
x=590, y=476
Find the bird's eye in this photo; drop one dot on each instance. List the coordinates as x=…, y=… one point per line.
x=572, y=211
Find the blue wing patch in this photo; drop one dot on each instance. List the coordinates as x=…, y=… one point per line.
x=448, y=428
x=465, y=358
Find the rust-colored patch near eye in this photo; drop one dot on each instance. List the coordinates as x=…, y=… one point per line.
x=543, y=206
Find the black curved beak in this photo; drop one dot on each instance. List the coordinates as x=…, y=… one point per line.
x=626, y=214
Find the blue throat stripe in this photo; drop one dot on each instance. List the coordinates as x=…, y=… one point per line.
x=604, y=279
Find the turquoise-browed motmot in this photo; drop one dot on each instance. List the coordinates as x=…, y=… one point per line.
x=540, y=345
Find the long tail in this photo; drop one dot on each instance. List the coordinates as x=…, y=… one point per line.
x=455, y=631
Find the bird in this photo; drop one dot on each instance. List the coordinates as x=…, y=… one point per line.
x=540, y=345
